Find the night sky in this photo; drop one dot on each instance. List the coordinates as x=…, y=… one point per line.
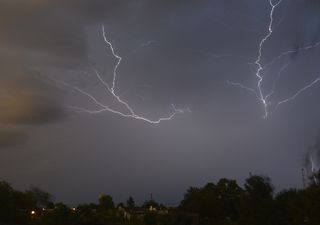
x=179, y=52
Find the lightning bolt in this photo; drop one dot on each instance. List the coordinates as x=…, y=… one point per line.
x=313, y=169
x=297, y=93
x=289, y=52
x=284, y=67
x=257, y=91
x=112, y=90
x=258, y=61
x=253, y=91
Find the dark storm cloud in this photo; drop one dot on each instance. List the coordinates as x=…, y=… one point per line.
x=11, y=138
x=224, y=135
x=295, y=18
x=24, y=101
x=95, y=10
x=35, y=29
x=33, y=34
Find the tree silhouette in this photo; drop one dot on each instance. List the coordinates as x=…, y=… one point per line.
x=258, y=201
x=131, y=203
x=106, y=202
x=43, y=198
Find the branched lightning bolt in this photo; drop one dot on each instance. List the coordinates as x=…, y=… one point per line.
x=111, y=90
x=253, y=91
x=289, y=52
x=258, y=61
x=285, y=66
x=297, y=93
x=264, y=98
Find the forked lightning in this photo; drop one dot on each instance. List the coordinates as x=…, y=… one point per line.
x=112, y=90
x=258, y=91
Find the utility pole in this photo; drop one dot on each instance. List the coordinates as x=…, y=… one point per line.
x=151, y=197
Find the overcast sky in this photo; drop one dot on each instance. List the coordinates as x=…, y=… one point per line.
x=178, y=52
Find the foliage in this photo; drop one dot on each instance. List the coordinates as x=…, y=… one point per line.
x=15, y=205
x=43, y=198
x=221, y=203
x=106, y=202
x=131, y=203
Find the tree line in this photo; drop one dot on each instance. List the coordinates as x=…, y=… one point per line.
x=221, y=203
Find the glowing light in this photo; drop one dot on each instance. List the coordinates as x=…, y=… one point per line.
x=257, y=91
x=297, y=93
x=111, y=90
x=313, y=169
